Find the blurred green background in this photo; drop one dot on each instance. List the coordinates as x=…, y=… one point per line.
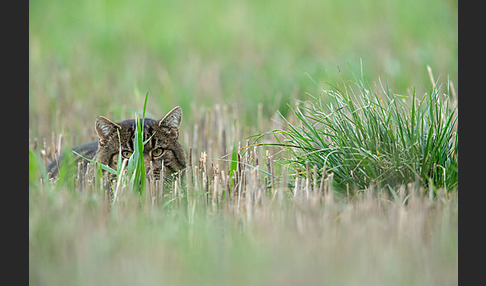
x=95, y=57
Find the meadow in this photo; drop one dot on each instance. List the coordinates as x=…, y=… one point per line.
x=270, y=91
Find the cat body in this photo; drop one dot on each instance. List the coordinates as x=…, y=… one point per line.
x=162, y=146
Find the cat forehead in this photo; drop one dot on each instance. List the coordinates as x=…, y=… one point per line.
x=150, y=128
x=131, y=123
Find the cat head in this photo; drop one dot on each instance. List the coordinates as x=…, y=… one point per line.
x=162, y=148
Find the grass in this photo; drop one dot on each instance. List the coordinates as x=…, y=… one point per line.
x=73, y=240
x=238, y=217
x=250, y=228
x=364, y=134
x=135, y=167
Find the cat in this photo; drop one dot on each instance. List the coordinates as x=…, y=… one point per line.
x=162, y=146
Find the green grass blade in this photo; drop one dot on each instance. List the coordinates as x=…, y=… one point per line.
x=103, y=166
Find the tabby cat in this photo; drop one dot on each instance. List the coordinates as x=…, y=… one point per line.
x=163, y=147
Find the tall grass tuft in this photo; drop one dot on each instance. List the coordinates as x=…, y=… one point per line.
x=136, y=167
x=364, y=135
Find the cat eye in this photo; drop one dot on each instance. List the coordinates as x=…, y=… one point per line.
x=157, y=152
x=126, y=154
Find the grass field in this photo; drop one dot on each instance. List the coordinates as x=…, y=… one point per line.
x=252, y=228
x=233, y=67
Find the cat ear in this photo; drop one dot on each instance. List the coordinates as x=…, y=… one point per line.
x=104, y=128
x=172, y=119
